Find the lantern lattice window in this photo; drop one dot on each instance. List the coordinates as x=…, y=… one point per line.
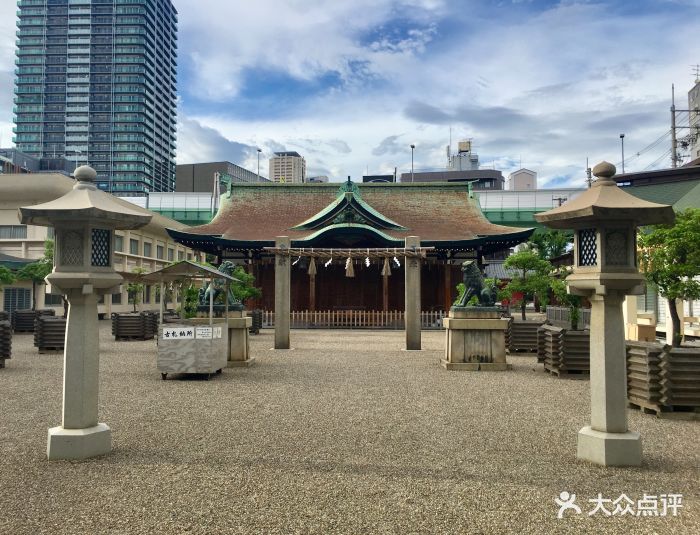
x=587, y=247
x=100, y=247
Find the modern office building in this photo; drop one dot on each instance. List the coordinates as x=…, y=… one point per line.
x=287, y=167
x=201, y=177
x=15, y=161
x=481, y=179
x=96, y=84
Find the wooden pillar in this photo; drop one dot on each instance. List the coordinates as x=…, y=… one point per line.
x=312, y=292
x=282, y=294
x=385, y=293
x=412, y=296
x=448, y=285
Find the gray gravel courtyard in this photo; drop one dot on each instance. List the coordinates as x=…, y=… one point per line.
x=345, y=433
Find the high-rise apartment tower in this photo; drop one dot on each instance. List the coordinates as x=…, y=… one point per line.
x=96, y=84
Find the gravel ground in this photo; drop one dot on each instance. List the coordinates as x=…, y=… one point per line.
x=344, y=434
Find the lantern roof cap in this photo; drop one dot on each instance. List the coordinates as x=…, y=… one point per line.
x=86, y=202
x=605, y=201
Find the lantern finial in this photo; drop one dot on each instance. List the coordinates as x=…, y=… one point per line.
x=85, y=173
x=604, y=171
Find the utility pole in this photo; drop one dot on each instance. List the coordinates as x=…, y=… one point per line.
x=674, y=141
x=622, y=141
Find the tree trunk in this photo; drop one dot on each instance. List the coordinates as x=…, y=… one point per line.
x=522, y=307
x=676, y=333
x=33, y=295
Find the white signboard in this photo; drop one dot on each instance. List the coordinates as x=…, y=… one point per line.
x=217, y=332
x=178, y=333
x=204, y=332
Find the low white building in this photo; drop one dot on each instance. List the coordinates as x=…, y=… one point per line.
x=150, y=247
x=522, y=180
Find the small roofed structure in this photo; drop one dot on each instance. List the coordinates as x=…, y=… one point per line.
x=186, y=270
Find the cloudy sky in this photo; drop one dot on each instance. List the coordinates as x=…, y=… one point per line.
x=350, y=84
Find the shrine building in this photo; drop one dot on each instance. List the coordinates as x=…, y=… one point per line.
x=445, y=216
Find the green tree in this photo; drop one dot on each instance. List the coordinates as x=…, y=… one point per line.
x=244, y=289
x=190, y=300
x=558, y=287
x=37, y=271
x=6, y=276
x=135, y=289
x=532, y=280
x=670, y=259
x=550, y=243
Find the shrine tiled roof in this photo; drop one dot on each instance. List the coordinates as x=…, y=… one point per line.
x=439, y=213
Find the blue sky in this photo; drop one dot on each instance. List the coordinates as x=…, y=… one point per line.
x=351, y=84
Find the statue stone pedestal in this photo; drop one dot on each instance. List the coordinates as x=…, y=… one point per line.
x=475, y=339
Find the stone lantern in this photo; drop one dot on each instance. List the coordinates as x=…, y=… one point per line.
x=604, y=219
x=84, y=220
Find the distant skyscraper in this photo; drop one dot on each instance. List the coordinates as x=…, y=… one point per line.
x=96, y=83
x=287, y=167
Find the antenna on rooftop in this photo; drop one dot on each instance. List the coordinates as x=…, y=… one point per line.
x=696, y=72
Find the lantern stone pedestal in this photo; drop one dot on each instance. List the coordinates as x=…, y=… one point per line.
x=607, y=440
x=475, y=339
x=84, y=220
x=80, y=436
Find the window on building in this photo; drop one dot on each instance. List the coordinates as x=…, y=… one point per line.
x=147, y=250
x=134, y=246
x=160, y=252
x=171, y=254
x=181, y=255
x=116, y=299
x=189, y=256
x=53, y=300
x=147, y=294
x=119, y=243
x=13, y=232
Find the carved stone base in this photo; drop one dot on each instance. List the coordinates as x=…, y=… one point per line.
x=76, y=444
x=475, y=366
x=475, y=339
x=609, y=449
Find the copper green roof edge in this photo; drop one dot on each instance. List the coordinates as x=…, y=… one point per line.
x=337, y=226
x=515, y=237
x=341, y=204
x=216, y=243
